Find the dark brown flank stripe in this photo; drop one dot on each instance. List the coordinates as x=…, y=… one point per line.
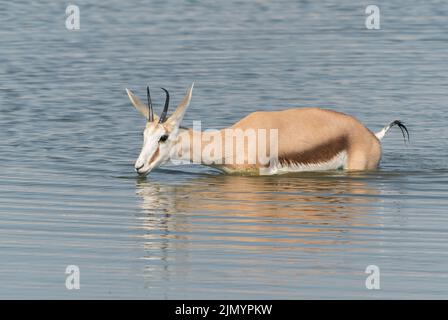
x=321, y=153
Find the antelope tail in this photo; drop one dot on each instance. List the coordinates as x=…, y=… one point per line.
x=380, y=135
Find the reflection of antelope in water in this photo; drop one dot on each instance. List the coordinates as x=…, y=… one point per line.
x=253, y=209
x=309, y=139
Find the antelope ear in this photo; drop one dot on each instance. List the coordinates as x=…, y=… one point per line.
x=176, y=118
x=140, y=106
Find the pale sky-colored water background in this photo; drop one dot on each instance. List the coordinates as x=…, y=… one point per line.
x=69, y=136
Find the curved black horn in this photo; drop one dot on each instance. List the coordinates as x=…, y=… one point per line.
x=165, y=108
x=151, y=112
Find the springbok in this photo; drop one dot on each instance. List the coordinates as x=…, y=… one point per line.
x=307, y=139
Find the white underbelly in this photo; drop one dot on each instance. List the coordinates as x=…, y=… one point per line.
x=338, y=162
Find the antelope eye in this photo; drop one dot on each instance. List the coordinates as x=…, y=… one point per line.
x=163, y=138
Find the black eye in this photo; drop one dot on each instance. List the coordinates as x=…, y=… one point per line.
x=163, y=138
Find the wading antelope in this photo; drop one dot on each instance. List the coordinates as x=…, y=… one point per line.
x=306, y=139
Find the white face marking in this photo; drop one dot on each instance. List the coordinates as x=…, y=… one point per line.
x=338, y=162
x=154, y=151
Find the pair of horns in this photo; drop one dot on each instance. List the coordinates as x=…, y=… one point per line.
x=162, y=118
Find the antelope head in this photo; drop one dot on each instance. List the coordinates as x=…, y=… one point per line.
x=160, y=134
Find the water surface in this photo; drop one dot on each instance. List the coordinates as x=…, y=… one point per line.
x=69, y=137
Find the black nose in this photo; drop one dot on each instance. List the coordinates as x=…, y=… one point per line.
x=136, y=169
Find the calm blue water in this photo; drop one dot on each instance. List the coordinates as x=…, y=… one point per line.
x=69, y=136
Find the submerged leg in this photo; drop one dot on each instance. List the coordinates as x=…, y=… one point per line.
x=357, y=160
